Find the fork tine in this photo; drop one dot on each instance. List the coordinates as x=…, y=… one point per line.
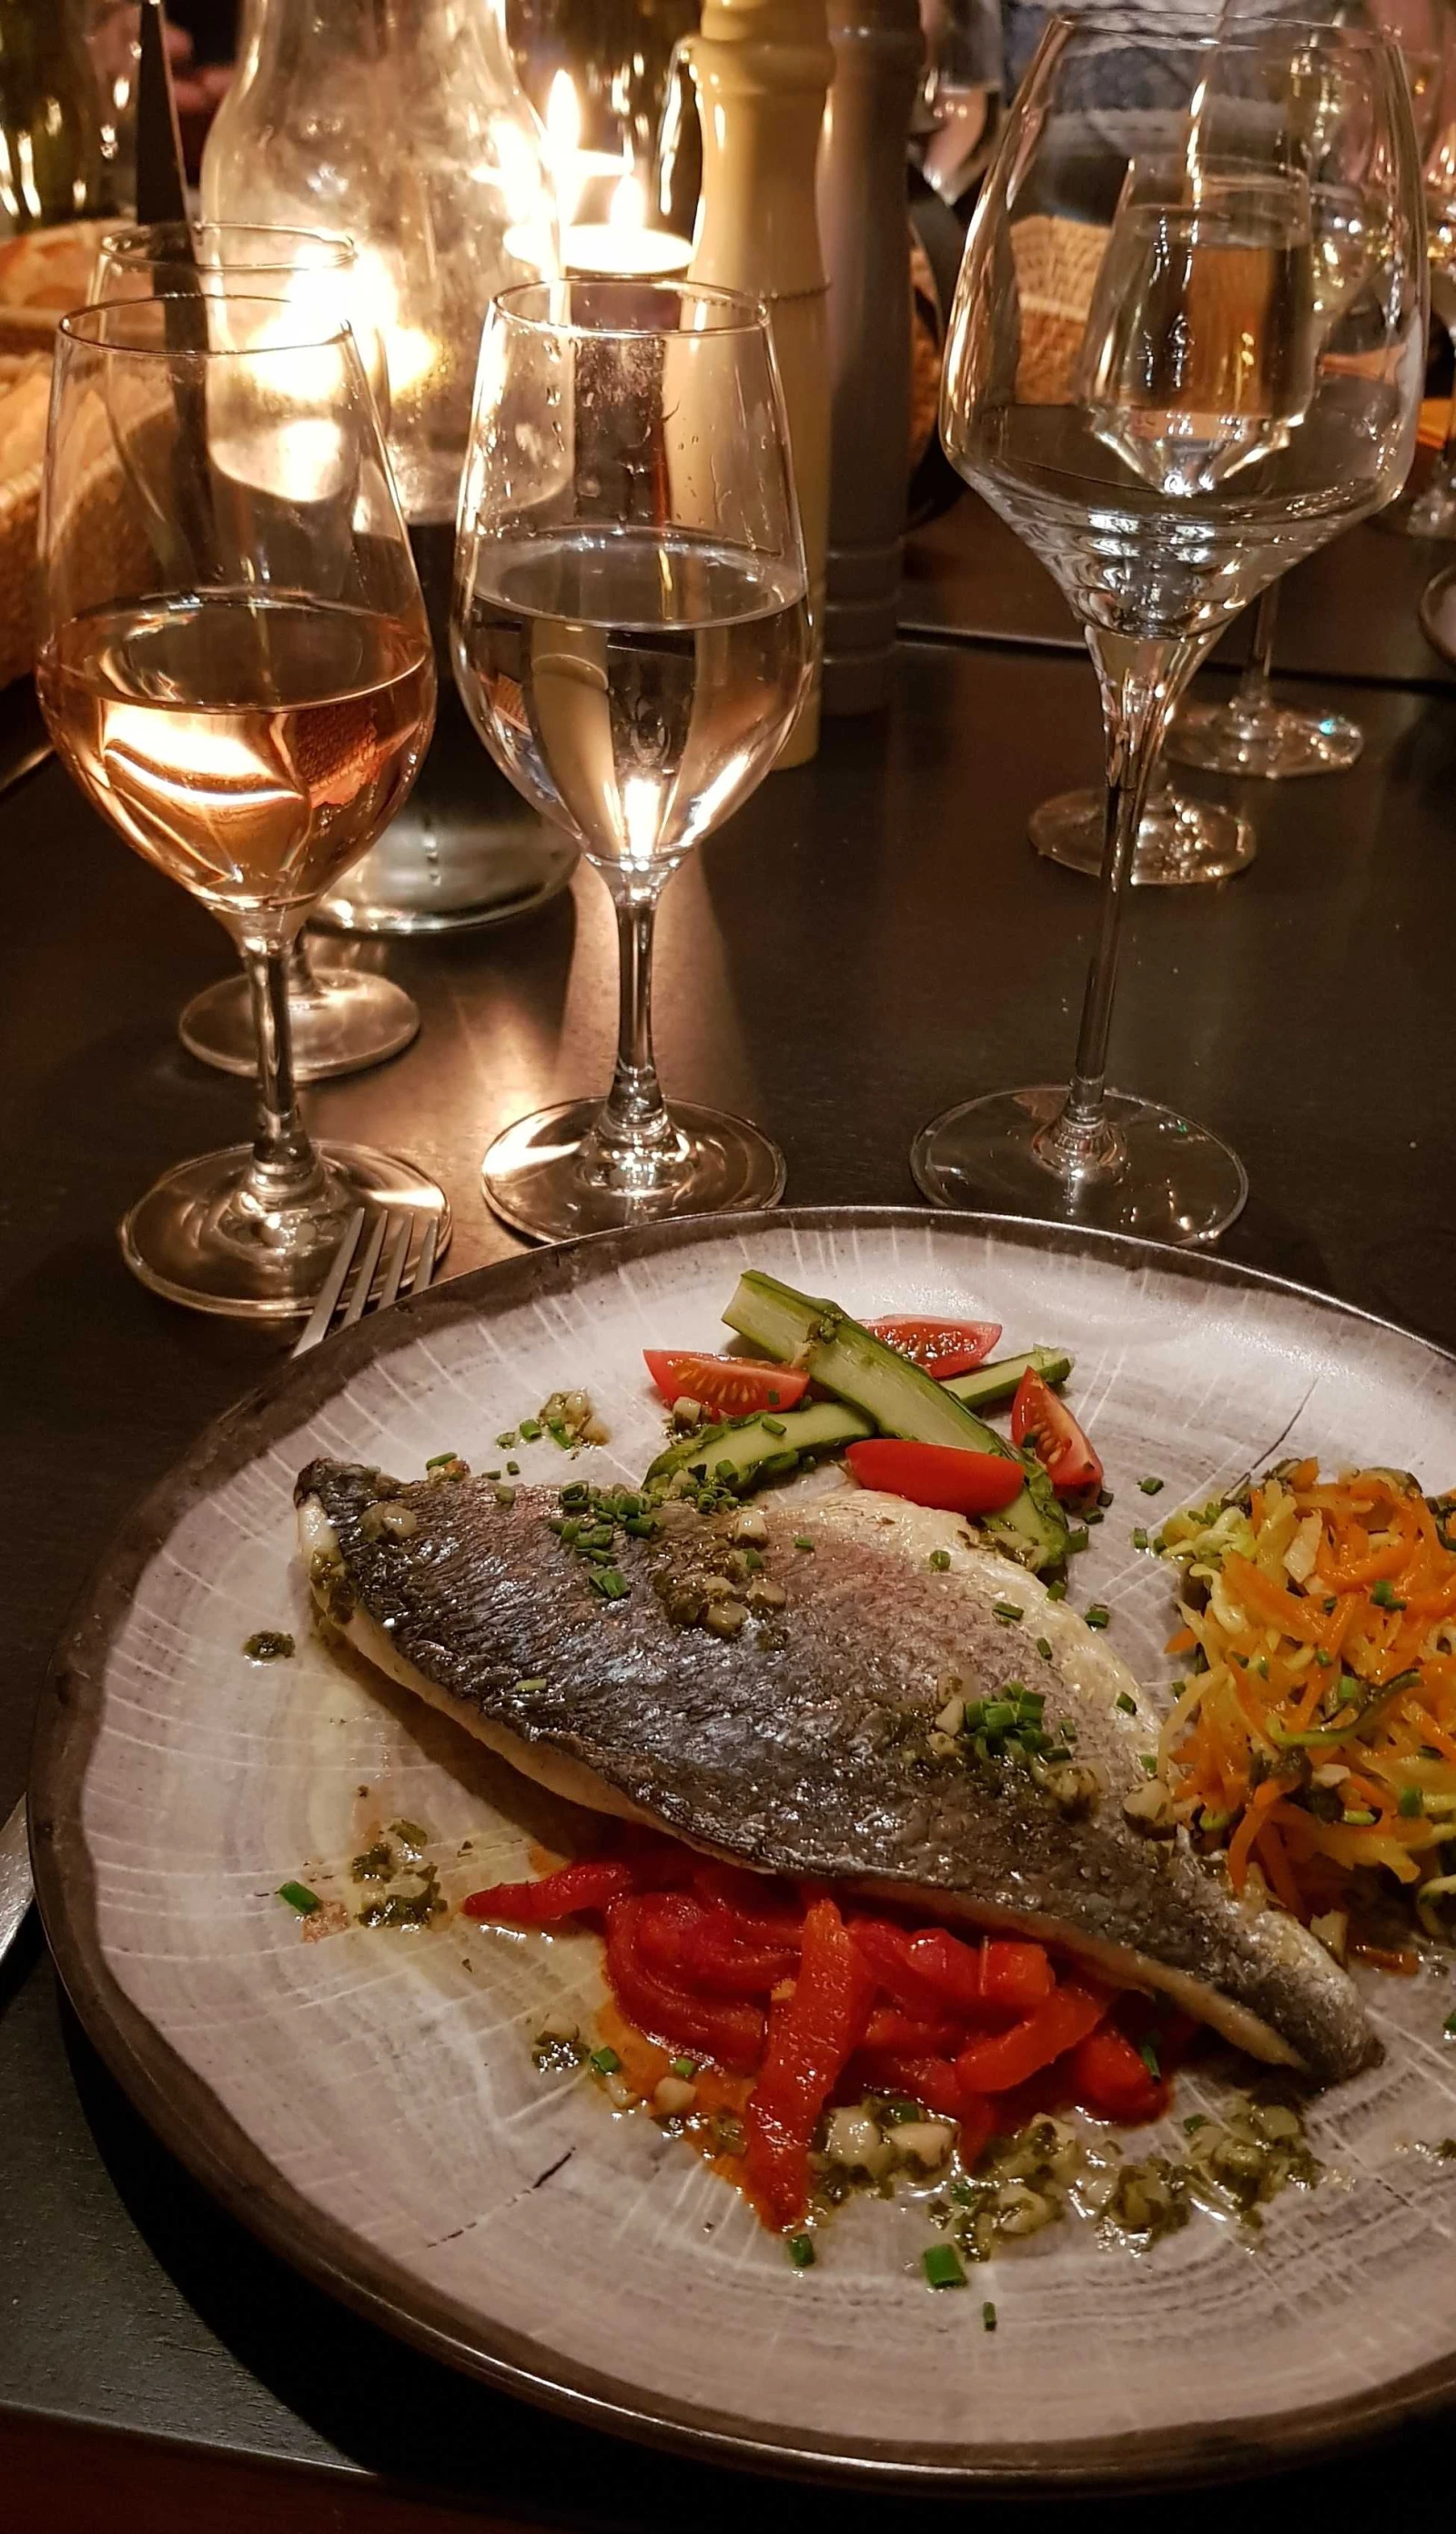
x=402, y=1225
x=358, y=1301
x=333, y=1285
x=428, y=1246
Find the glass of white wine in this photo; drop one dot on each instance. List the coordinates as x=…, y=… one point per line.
x=630, y=636
x=344, y=1018
x=235, y=665
x=1194, y=433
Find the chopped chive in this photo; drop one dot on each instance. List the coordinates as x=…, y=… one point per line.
x=1056, y=1588
x=805, y=1544
x=1007, y=1612
x=800, y=2249
x=504, y=1495
x=531, y=1429
x=1409, y=1804
x=1104, y=1497
x=1195, y=2121
x=775, y=1425
x=299, y=1897
x=988, y=2317
x=1077, y=1540
x=1147, y=1762
x=1325, y=1662
x=1094, y=1513
x=493, y=1475
x=523, y=1688
x=512, y=1468
x=1043, y=1647
x=605, y=2061
x=1358, y=1820
x=1147, y=2051
x=1449, y=2026
x=610, y=1581
x=440, y=1460
x=507, y=1442
x=1151, y=1486
x=1383, y=1594
x=1097, y=1614
x=1126, y=1705
x=943, y=2267
x=684, y=2068
x=1139, y=1540
x=940, y=1558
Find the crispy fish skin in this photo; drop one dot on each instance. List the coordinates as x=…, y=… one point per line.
x=802, y=1747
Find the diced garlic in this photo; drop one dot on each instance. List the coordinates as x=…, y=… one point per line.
x=929, y=2142
x=1303, y=1549
x=672, y=2095
x=854, y=2140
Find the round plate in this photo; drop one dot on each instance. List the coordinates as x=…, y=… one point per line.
x=368, y=2103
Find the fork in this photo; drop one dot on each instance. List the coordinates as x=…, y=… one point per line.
x=394, y=1225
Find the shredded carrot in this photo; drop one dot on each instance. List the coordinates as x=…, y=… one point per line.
x=1329, y=1591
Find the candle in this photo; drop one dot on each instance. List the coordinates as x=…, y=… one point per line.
x=622, y=243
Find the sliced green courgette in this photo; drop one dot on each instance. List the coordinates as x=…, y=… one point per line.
x=992, y=1383
x=820, y=1338
x=766, y=1446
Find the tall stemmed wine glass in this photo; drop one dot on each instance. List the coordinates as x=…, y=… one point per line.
x=1208, y=434
x=235, y=666
x=344, y=1018
x=630, y=640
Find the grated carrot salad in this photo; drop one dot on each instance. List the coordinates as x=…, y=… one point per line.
x=1317, y=1735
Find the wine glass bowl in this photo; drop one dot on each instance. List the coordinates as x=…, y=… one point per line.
x=1192, y=426
x=630, y=638
x=234, y=666
x=344, y=1019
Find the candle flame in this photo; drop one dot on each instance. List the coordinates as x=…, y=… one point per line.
x=629, y=207
x=563, y=146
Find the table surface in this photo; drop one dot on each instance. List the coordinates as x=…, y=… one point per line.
x=870, y=941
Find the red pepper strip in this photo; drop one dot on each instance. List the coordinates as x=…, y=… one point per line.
x=570, y=1889
x=731, y=2032
x=885, y=1947
x=1109, y=2077
x=695, y=1946
x=926, y=2077
x=1005, y=2059
x=762, y=1909
x=811, y=2036
x=890, y=2029
x=1016, y=1975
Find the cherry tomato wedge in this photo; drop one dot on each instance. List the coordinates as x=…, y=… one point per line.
x=725, y=1385
x=1046, y=1425
x=936, y=1474
x=940, y=1348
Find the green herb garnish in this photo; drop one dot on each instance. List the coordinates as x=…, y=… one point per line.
x=943, y=2267
x=1384, y=1597
x=940, y=1558
x=605, y=2061
x=1097, y=1616
x=988, y=2316
x=1151, y=1486
x=299, y=1897
x=800, y=2250
x=269, y=1645
x=1127, y=1705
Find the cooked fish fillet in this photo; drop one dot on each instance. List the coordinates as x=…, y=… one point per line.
x=807, y=1744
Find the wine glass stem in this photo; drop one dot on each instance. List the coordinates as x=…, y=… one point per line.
x=1140, y=682
x=286, y=1170
x=1254, y=697
x=636, y=1115
x=303, y=985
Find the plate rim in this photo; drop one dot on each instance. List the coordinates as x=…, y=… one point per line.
x=195, y=2125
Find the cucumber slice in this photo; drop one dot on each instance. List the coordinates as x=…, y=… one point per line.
x=990, y=1384
x=820, y=1338
x=768, y=1445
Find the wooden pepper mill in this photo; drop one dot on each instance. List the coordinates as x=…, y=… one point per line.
x=762, y=68
x=865, y=227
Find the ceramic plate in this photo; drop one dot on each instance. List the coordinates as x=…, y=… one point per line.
x=369, y=2104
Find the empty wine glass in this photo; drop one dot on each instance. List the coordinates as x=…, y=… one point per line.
x=344, y=1019
x=630, y=636
x=1201, y=434
x=1179, y=841
x=235, y=666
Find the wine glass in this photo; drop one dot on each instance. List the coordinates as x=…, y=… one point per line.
x=234, y=664
x=629, y=635
x=344, y=1019
x=1180, y=840
x=1204, y=432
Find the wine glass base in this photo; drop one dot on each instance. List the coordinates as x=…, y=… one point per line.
x=1179, y=842
x=1272, y=745
x=1176, y=1183
x=535, y=1176
x=402, y=894
x=352, y=1021
x=189, y=1240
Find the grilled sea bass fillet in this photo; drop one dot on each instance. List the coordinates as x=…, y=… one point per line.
x=817, y=1741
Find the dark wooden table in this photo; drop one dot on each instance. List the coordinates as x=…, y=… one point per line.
x=871, y=939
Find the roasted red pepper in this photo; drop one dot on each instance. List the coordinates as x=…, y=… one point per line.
x=586, y=1886
x=762, y=1909
x=890, y=2029
x=811, y=2035
x=1109, y=2077
x=885, y=1950
x=699, y=1946
x=996, y=2062
x=731, y=2032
